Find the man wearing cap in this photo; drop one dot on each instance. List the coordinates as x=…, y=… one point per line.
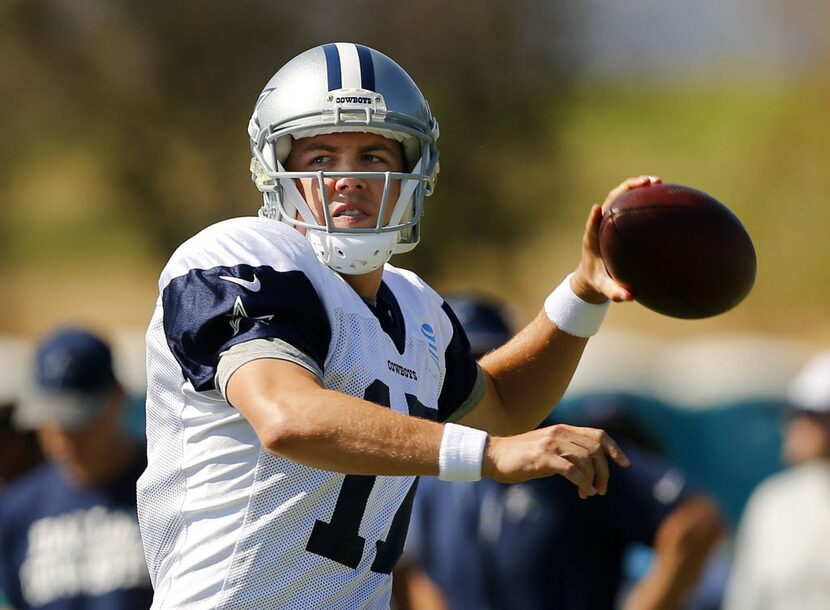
x=19, y=451
x=487, y=545
x=781, y=560
x=69, y=534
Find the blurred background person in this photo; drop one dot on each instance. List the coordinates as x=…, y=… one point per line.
x=68, y=529
x=19, y=449
x=781, y=561
x=19, y=453
x=536, y=545
x=444, y=514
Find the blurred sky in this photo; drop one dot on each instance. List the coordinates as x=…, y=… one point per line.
x=671, y=40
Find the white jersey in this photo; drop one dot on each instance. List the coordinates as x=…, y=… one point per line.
x=227, y=524
x=780, y=557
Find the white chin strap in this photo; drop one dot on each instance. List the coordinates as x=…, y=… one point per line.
x=349, y=253
x=352, y=254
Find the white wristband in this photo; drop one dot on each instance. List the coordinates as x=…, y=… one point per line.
x=462, y=450
x=571, y=314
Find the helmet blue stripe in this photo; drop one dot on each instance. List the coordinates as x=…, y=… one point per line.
x=333, y=66
x=367, y=68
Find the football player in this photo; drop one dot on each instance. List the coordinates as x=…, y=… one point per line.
x=298, y=383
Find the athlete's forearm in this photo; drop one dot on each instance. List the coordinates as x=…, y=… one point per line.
x=334, y=431
x=529, y=376
x=531, y=373
x=296, y=418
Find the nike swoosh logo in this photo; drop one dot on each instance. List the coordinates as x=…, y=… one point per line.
x=252, y=285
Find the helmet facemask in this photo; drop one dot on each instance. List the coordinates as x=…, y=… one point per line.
x=346, y=250
x=350, y=250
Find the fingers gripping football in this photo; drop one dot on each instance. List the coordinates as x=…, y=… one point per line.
x=591, y=271
x=627, y=185
x=591, y=281
x=578, y=454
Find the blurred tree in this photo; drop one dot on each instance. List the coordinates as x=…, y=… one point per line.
x=123, y=131
x=140, y=110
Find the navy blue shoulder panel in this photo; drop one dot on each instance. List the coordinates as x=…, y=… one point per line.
x=207, y=311
x=461, y=369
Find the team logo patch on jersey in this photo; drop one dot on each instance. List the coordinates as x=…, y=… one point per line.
x=239, y=312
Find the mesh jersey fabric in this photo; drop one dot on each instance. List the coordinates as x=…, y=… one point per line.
x=225, y=523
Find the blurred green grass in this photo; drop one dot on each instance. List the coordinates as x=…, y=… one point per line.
x=759, y=147
x=761, y=150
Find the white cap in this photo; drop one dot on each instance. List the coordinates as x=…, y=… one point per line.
x=810, y=390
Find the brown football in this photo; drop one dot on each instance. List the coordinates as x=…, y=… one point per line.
x=678, y=250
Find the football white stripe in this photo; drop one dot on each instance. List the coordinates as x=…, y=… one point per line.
x=349, y=66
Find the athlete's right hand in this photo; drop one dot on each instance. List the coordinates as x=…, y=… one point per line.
x=578, y=454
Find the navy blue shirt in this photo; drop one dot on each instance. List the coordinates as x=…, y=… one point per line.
x=67, y=548
x=537, y=544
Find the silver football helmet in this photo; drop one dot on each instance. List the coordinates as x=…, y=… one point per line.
x=345, y=87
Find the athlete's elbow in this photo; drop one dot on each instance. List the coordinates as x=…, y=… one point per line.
x=276, y=438
x=280, y=437
x=286, y=432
